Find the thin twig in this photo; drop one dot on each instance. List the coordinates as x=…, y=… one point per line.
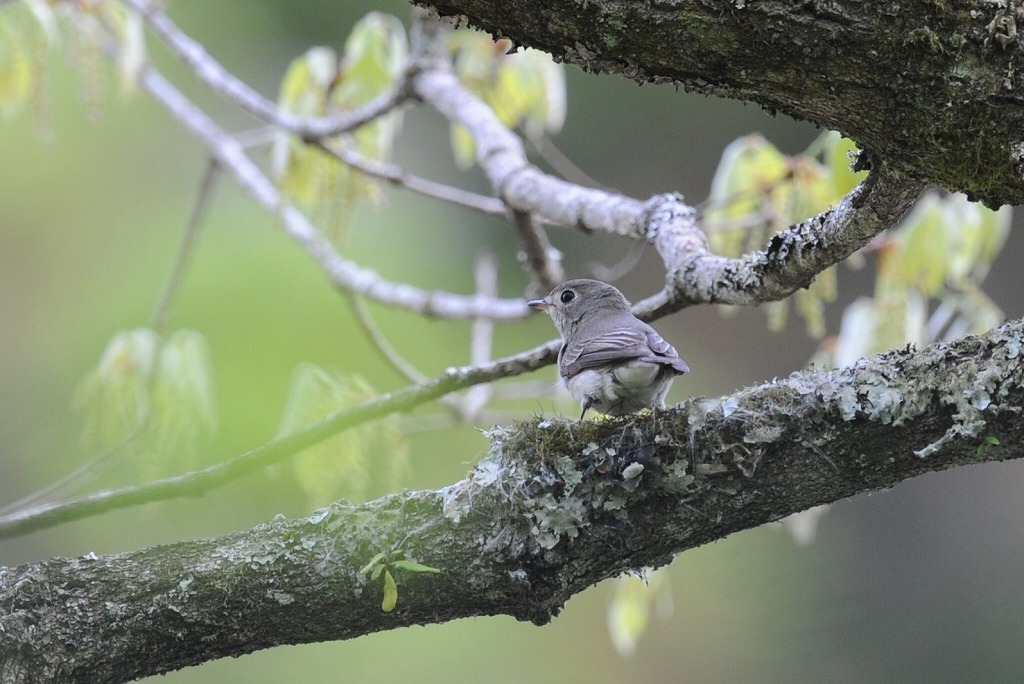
x=344, y=273
x=562, y=164
x=543, y=260
x=188, y=241
x=396, y=175
x=481, y=342
x=627, y=263
x=381, y=342
x=84, y=474
x=201, y=481
x=214, y=75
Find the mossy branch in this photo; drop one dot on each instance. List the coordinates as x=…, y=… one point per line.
x=555, y=507
x=933, y=88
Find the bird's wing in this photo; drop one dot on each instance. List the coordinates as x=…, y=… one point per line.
x=621, y=344
x=664, y=351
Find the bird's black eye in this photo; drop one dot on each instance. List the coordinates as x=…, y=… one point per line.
x=567, y=296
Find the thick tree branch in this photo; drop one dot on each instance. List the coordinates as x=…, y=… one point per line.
x=555, y=507
x=933, y=88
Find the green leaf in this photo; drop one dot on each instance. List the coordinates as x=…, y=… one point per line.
x=924, y=249
x=528, y=90
x=115, y=395
x=317, y=84
x=298, y=167
x=749, y=171
x=129, y=29
x=376, y=572
x=183, y=409
x=374, y=59
x=412, y=566
x=16, y=67
x=632, y=606
x=333, y=467
x=157, y=392
x=306, y=174
x=525, y=88
x=390, y=593
x=184, y=374
x=839, y=154
x=305, y=85
x=374, y=562
x=344, y=465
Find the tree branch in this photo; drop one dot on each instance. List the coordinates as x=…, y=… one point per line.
x=396, y=175
x=199, y=482
x=537, y=252
x=792, y=259
x=554, y=508
x=918, y=84
x=209, y=71
x=162, y=310
x=343, y=272
x=695, y=275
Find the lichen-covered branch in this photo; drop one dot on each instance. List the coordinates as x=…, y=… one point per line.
x=555, y=507
x=793, y=258
x=932, y=88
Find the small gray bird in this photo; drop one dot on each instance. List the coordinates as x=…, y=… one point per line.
x=610, y=360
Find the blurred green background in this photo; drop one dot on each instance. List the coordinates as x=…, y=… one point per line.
x=921, y=584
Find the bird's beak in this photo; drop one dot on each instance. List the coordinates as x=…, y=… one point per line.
x=538, y=304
